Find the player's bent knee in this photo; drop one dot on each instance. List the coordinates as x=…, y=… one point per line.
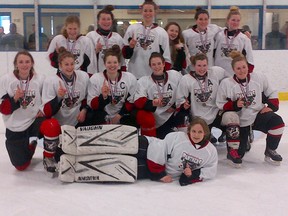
x=50, y=128
x=230, y=118
x=24, y=166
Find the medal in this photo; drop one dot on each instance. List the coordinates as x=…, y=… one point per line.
x=146, y=33
x=204, y=42
x=25, y=102
x=245, y=90
x=70, y=88
x=114, y=101
x=113, y=90
x=204, y=96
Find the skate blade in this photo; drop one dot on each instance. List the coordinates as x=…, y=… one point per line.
x=221, y=143
x=51, y=174
x=234, y=165
x=270, y=161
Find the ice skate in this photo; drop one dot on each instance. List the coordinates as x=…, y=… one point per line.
x=222, y=138
x=272, y=157
x=234, y=158
x=213, y=139
x=251, y=135
x=248, y=147
x=50, y=165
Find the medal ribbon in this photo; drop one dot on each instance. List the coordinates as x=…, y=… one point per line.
x=204, y=42
x=228, y=39
x=26, y=87
x=70, y=47
x=146, y=32
x=244, y=88
x=203, y=85
x=70, y=91
x=106, y=40
x=113, y=88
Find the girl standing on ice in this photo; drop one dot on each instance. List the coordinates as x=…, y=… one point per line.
x=200, y=38
x=20, y=94
x=64, y=98
x=188, y=156
x=252, y=97
x=229, y=39
x=103, y=38
x=155, y=98
x=178, y=55
x=141, y=40
x=80, y=46
x=110, y=93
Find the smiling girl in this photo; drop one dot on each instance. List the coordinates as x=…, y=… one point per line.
x=255, y=101
x=20, y=94
x=229, y=39
x=178, y=55
x=142, y=39
x=103, y=38
x=110, y=93
x=64, y=98
x=80, y=46
x=188, y=156
x=155, y=98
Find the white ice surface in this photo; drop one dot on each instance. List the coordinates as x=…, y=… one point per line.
x=256, y=189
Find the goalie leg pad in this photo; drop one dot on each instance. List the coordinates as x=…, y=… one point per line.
x=98, y=168
x=100, y=139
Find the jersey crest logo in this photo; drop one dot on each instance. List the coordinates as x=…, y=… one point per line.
x=204, y=95
x=226, y=49
x=71, y=101
x=248, y=99
x=145, y=41
x=204, y=48
x=190, y=160
x=28, y=100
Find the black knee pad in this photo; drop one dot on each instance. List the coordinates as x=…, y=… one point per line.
x=18, y=151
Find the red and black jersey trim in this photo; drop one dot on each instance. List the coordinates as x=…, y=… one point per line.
x=8, y=105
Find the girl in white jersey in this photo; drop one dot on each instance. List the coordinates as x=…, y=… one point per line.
x=177, y=49
x=197, y=95
x=155, y=98
x=141, y=40
x=110, y=93
x=20, y=94
x=80, y=46
x=229, y=39
x=103, y=38
x=64, y=98
x=200, y=38
x=251, y=96
x=187, y=156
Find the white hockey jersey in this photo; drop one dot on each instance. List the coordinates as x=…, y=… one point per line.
x=82, y=49
x=23, y=117
x=224, y=45
x=150, y=89
x=124, y=90
x=230, y=90
x=106, y=42
x=202, y=99
x=149, y=40
x=201, y=42
x=72, y=101
x=176, y=150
